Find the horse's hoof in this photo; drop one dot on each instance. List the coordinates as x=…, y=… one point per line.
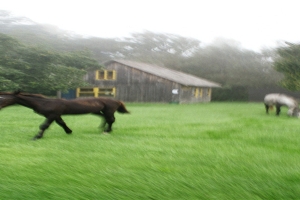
x=37, y=137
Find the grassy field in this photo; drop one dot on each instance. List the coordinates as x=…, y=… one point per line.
x=159, y=151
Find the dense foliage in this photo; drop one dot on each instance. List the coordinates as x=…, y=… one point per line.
x=223, y=61
x=35, y=69
x=288, y=63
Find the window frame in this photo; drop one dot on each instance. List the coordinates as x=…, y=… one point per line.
x=103, y=90
x=94, y=92
x=198, y=92
x=105, y=75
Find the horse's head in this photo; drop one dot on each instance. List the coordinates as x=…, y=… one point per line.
x=294, y=112
x=7, y=99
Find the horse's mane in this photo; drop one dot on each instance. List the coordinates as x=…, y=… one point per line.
x=6, y=93
x=33, y=95
x=24, y=94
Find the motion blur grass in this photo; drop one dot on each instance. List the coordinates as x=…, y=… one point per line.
x=159, y=151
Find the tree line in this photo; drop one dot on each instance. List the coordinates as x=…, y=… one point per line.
x=35, y=69
x=44, y=59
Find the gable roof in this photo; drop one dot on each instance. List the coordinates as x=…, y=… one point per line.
x=169, y=74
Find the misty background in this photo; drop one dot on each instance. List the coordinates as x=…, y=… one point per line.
x=245, y=74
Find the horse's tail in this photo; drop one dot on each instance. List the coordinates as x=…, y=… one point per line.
x=122, y=108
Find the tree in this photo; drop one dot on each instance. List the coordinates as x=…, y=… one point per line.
x=163, y=49
x=226, y=62
x=34, y=69
x=288, y=63
x=223, y=61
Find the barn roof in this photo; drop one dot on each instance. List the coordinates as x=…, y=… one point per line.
x=172, y=75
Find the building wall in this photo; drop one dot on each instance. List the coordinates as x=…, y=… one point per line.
x=195, y=95
x=132, y=85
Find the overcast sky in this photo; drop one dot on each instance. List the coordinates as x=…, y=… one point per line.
x=254, y=23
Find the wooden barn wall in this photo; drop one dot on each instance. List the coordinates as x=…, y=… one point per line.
x=187, y=95
x=133, y=85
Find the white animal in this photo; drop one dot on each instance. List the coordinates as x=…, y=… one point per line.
x=279, y=100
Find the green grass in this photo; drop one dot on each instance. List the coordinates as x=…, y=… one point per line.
x=159, y=151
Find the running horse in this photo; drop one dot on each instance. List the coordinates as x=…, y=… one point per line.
x=278, y=100
x=52, y=109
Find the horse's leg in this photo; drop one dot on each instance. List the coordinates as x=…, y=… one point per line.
x=267, y=108
x=61, y=122
x=110, y=119
x=100, y=114
x=43, y=127
x=277, y=110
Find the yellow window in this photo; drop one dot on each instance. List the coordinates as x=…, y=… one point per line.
x=86, y=92
x=110, y=92
x=105, y=75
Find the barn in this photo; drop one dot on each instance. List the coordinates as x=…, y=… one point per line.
x=132, y=81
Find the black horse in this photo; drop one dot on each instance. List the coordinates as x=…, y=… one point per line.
x=52, y=109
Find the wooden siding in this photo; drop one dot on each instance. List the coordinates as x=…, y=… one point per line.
x=137, y=86
x=134, y=85
x=188, y=95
